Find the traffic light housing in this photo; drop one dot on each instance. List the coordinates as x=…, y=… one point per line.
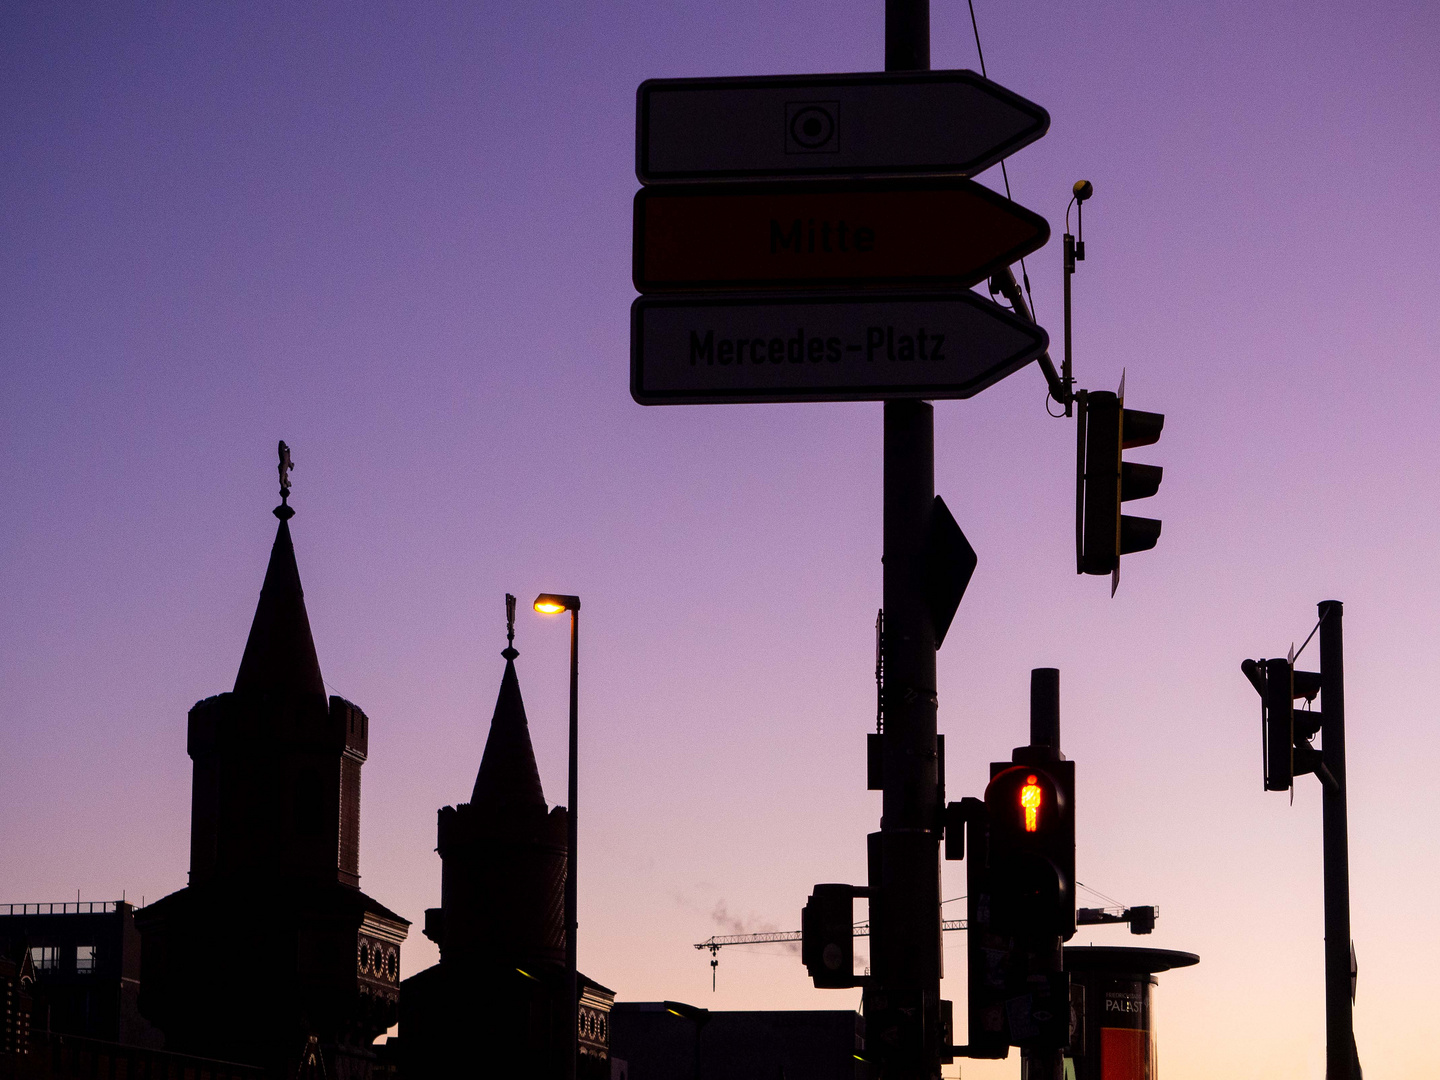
x=1032, y=849
x=1286, y=735
x=1018, y=844
x=1104, y=480
x=827, y=936
x=1020, y=873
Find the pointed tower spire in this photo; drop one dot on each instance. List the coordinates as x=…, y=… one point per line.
x=508, y=779
x=280, y=653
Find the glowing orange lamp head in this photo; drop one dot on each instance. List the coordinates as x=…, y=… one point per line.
x=1030, y=802
x=554, y=603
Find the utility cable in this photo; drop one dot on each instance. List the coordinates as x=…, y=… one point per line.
x=1097, y=892
x=1005, y=175
x=1307, y=640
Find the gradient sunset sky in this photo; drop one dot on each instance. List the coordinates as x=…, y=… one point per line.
x=398, y=237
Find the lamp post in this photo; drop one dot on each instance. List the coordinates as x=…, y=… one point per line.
x=553, y=604
x=697, y=1016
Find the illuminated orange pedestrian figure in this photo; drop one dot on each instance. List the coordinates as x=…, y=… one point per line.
x=1030, y=800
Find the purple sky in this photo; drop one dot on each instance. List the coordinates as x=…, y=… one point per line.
x=398, y=237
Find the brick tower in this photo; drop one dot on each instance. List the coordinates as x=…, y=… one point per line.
x=272, y=955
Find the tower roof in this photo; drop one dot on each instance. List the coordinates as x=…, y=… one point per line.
x=280, y=653
x=508, y=778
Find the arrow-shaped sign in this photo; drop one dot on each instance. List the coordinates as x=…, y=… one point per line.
x=693, y=350
x=838, y=233
x=949, y=563
x=865, y=124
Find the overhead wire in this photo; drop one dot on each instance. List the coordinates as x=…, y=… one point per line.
x=1110, y=899
x=1004, y=173
x=1307, y=640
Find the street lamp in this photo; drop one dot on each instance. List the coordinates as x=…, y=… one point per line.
x=697, y=1016
x=553, y=604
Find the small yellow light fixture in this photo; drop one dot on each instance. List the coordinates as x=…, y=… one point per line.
x=554, y=603
x=700, y=1017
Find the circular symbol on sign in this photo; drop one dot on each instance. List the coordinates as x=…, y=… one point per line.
x=832, y=956
x=812, y=127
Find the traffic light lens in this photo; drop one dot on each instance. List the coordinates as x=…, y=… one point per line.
x=1030, y=802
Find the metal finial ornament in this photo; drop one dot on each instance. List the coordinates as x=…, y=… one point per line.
x=284, y=511
x=510, y=652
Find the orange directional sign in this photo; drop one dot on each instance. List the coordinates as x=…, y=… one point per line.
x=835, y=233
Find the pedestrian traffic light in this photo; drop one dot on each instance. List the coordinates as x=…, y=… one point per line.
x=827, y=936
x=1103, y=480
x=1286, y=736
x=1020, y=874
x=1019, y=850
x=1032, y=849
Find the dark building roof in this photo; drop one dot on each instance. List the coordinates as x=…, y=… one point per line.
x=508, y=779
x=280, y=653
x=798, y=1045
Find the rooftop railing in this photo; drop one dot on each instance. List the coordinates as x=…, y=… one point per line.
x=63, y=907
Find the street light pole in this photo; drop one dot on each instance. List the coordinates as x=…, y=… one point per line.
x=1340, y=1056
x=550, y=604
x=697, y=1016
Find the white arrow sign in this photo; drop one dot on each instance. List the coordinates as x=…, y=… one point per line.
x=696, y=350
x=865, y=124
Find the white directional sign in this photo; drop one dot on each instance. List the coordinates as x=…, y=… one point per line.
x=866, y=124
x=690, y=350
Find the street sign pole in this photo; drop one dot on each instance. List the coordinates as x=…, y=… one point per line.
x=906, y=956
x=816, y=238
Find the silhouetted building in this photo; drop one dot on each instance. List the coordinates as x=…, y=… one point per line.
x=272, y=955
x=494, y=1006
x=654, y=1043
x=17, y=978
x=81, y=962
x=84, y=957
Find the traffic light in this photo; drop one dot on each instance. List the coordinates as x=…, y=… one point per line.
x=1032, y=849
x=1020, y=875
x=827, y=936
x=1103, y=480
x=1286, y=736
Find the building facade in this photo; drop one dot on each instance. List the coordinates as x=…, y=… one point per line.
x=84, y=963
x=17, y=979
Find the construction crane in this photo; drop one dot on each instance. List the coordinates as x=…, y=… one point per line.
x=718, y=942
x=1140, y=919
